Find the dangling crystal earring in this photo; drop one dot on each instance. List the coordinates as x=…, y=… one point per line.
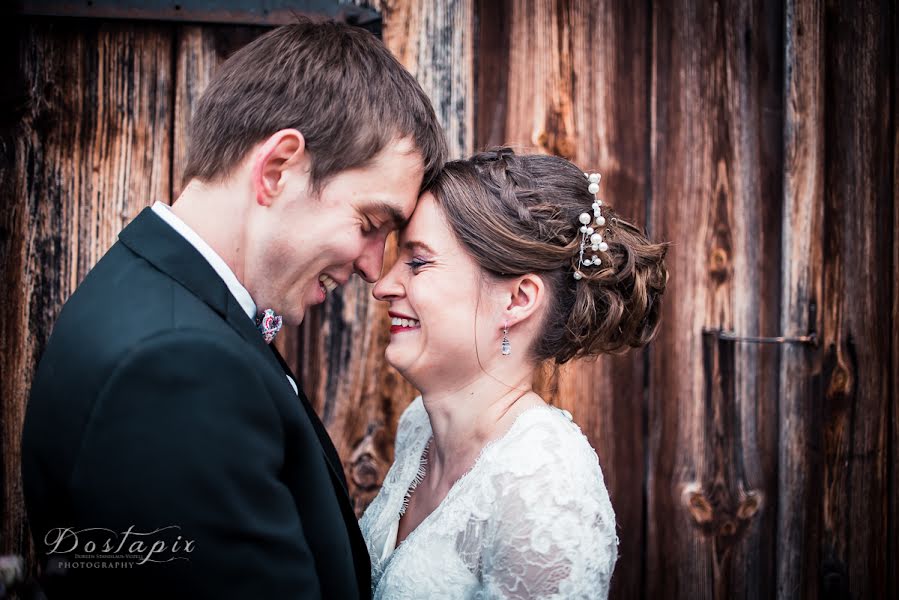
x=507, y=347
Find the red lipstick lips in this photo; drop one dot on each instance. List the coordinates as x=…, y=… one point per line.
x=401, y=322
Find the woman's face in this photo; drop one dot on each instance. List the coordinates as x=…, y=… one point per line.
x=437, y=305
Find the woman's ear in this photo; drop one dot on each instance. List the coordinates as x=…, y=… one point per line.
x=278, y=154
x=527, y=296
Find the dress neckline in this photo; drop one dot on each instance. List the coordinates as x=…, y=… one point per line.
x=391, y=549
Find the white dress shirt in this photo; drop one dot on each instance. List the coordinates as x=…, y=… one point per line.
x=215, y=261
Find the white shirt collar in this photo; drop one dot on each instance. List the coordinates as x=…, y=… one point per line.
x=215, y=261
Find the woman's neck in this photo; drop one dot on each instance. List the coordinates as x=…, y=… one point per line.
x=463, y=421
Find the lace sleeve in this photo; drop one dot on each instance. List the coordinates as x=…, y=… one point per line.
x=553, y=535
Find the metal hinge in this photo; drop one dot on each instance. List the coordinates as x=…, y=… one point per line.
x=811, y=338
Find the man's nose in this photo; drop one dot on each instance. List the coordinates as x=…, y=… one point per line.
x=370, y=263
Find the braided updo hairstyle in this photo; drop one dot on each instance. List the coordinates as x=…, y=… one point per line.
x=518, y=214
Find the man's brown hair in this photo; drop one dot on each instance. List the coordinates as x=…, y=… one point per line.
x=336, y=84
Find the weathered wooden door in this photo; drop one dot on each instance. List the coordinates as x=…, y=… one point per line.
x=750, y=451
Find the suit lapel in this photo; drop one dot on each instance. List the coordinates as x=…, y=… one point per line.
x=153, y=239
x=327, y=444
x=361, y=559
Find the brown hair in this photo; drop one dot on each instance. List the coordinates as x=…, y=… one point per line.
x=518, y=214
x=337, y=84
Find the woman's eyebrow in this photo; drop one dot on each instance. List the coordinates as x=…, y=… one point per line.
x=413, y=244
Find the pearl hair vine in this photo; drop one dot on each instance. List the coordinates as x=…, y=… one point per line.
x=590, y=237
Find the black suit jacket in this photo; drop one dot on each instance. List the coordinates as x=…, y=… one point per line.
x=158, y=407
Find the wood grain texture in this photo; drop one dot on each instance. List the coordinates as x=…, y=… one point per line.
x=760, y=138
x=92, y=148
x=715, y=192
x=857, y=242
x=798, y=467
x=492, y=67
x=893, y=525
x=340, y=351
x=754, y=80
x=571, y=80
x=200, y=49
x=195, y=64
x=435, y=42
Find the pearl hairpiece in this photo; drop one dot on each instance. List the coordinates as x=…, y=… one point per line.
x=588, y=233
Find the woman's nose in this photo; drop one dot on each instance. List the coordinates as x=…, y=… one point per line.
x=388, y=287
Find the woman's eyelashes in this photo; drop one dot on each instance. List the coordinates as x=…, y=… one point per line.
x=417, y=263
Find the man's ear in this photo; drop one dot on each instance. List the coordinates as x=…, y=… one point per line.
x=527, y=296
x=281, y=152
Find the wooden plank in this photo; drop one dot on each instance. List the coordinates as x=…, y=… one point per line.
x=798, y=467
x=340, y=353
x=893, y=528
x=195, y=63
x=573, y=82
x=754, y=51
x=200, y=49
x=435, y=41
x=857, y=242
x=92, y=148
x=723, y=422
x=492, y=66
x=715, y=192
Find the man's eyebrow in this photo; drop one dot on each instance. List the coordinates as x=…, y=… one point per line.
x=413, y=244
x=392, y=213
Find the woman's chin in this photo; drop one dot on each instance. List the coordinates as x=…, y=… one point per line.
x=394, y=357
x=399, y=360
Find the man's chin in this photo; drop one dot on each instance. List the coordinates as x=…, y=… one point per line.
x=293, y=319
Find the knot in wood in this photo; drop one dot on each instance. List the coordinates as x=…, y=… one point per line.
x=554, y=138
x=719, y=264
x=365, y=472
x=717, y=513
x=840, y=385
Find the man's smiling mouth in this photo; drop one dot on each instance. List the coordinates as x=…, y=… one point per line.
x=327, y=284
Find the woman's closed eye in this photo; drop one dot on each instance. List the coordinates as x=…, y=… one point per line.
x=417, y=263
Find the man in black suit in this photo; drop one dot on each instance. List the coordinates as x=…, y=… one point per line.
x=167, y=451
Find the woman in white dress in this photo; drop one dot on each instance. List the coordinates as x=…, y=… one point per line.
x=509, y=262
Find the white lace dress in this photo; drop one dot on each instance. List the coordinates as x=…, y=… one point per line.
x=530, y=519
